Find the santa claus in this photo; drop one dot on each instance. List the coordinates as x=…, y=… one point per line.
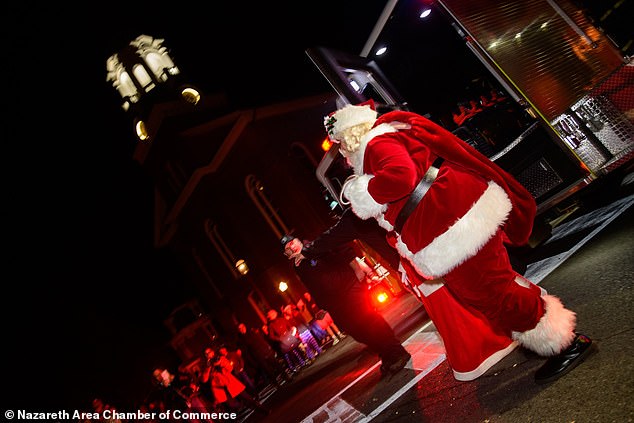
x=450, y=211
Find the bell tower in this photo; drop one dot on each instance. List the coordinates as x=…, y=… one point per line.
x=143, y=73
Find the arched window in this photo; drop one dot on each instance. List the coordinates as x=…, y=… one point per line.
x=155, y=63
x=125, y=86
x=203, y=269
x=255, y=189
x=142, y=77
x=211, y=229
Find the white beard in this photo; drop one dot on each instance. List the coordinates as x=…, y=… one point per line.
x=356, y=159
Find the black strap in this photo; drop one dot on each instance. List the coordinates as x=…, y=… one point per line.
x=417, y=194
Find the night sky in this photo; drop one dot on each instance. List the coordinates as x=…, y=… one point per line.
x=85, y=291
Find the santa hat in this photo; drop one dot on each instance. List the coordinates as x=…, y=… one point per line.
x=349, y=116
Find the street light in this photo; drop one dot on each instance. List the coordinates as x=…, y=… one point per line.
x=286, y=294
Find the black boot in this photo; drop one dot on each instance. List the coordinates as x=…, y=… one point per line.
x=394, y=363
x=560, y=364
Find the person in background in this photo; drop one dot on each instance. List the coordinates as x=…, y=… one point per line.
x=285, y=335
x=320, y=335
x=323, y=320
x=309, y=344
x=303, y=310
x=229, y=393
x=237, y=365
x=209, y=357
x=198, y=400
x=253, y=341
x=327, y=267
x=170, y=393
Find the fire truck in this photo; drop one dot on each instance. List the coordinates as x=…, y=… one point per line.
x=535, y=86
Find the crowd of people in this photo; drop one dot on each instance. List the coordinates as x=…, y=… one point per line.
x=234, y=376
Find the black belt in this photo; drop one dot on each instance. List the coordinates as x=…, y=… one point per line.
x=417, y=194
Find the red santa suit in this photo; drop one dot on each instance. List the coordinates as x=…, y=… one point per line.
x=458, y=230
x=471, y=344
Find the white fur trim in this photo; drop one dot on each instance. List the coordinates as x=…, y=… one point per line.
x=428, y=288
x=553, y=333
x=384, y=223
x=356, y=159
x=363, y=205
x=465, y=237
x=485, y=365
x=406, y=253
x=406, y=282
x=350, y=116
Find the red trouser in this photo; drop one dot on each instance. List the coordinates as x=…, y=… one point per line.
x=487, y=282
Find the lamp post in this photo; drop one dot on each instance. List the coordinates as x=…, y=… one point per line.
x=283, y=287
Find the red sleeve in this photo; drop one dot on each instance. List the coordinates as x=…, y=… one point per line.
x=394, y=171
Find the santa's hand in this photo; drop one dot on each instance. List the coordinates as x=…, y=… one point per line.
x=344, y=189
x=363, y=205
